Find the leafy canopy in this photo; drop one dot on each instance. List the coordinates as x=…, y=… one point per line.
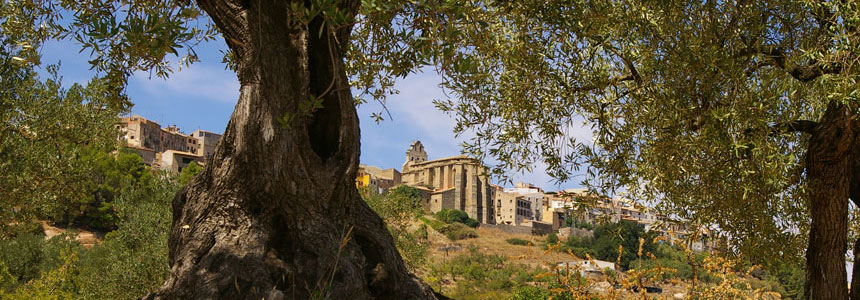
x=682, y=96
x=696, y=104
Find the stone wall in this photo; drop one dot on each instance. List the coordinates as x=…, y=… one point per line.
x=536, y=229
x=566, y=232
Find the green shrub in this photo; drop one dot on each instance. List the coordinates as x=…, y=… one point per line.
x=399, y=208
x=528, y=292
x=456, y=216
x=552, y=239
x=457, y=231
x=131, y=261
x=482, y=276
x=422, y=232
x=608, y=237
x=519, y=242
x=584, y=225
x=16, y=229
x=571, y=222
x=7, y=280
x=436, y=225
x=451, y=216
x=27, y=256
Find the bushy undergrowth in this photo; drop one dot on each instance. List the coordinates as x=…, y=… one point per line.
x=399, y=208
x=451, y=216
x=128, y=264
x=477, y=275
x=453, y=231
x=606, y=241
x=518, y=242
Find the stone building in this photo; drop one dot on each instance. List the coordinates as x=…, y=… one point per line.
x=205, y=142
x=533, y=195
x=512, y=209
x=175, y=161
x=457, y=182
x=165, y=148
x=378, y=180
x=141, y=133
x=173, y=139
x=147, y=155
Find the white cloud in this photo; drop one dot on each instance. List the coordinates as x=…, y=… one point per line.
x=414, y=104
x=198, y=82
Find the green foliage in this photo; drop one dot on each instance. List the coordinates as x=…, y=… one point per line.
x=791, y=277
x=669, y=256
x=436, y=225
x=571, y=222
x=531, y=293
x=112, y=175
x=690, y=103
x=422, y=231
x=46, y=134
x=132, y=260
x=399, y=208
x=482, y=276
x=27, y=256
x=54, y=284
x=7, y=280
x=518, y=242
x=457, y=231
x=607, y=239
x=189, y=172
x=121, y=37
x=551, y=239
x=453, y=231
x=453, y=215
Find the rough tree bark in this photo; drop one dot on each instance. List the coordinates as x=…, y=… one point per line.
x=276, y=215
x=828, y=167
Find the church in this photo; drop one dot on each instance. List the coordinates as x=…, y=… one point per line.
x=457, y=182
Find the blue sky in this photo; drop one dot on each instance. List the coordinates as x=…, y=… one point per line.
x=203, y=97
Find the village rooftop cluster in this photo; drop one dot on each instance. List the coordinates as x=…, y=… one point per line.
x=166, y=148
x=462, y=183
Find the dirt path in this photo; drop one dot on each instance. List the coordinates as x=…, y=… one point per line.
x=86, y=238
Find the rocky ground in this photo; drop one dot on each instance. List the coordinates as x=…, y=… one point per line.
x=86, y=238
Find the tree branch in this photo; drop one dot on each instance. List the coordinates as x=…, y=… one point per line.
x=231, y=18
x=804, y=126
x=776, y=57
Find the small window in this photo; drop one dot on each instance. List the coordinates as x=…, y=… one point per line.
x=132, y=137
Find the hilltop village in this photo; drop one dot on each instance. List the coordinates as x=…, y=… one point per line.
x=462, y=183
x=457, y=182
x=166, y=148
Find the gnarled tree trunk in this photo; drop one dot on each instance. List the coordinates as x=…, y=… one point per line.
x=828, y=168
x=276, y=214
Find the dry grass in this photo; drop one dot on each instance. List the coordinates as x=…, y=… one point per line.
x=490, y=241
x=494, y=241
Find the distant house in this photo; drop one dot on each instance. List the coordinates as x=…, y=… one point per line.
x=205, y=143
x=166, y=148
x=175, y=161
x=588, y=267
